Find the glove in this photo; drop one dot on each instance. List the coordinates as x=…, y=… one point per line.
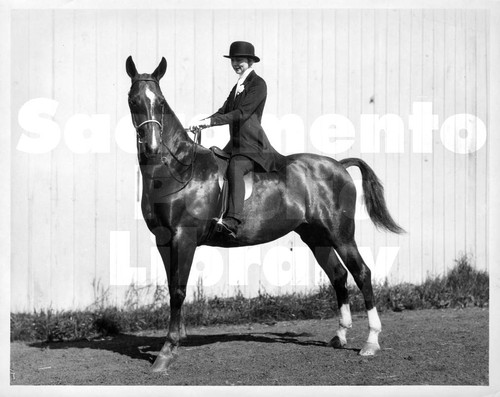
x=200, y=124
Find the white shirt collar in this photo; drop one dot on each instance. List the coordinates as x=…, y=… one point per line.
x=243, y=77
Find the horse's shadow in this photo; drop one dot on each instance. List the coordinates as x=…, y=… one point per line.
x=147, y=347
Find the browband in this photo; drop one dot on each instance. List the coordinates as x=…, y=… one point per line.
x=136, y=80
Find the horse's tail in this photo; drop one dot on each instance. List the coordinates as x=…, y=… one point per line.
x=374, y=196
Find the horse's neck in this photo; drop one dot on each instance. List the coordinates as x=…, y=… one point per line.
x=176, y=143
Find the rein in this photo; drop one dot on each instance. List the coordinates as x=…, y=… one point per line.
x=197, y=141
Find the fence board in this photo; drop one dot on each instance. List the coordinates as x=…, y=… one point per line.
x=438, y=151
x=299, y=69
x=449, y=109
x=460, y=172
x=415, y=169
x=393, y=160
x=41, y=85
x=21, y=275
x=106, y=165
x=62, y=183
x=84, y=100
x=381, y=77
x=481, y=111
x=328, y=58
x=427, y=159
x=405, y=258
x=368, y=97
x=126, y=171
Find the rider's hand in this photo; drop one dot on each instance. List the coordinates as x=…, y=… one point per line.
x=200, y=124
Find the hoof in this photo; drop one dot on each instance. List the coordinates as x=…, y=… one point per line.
x=165, y=358
x=369, y=349
x=337, y=343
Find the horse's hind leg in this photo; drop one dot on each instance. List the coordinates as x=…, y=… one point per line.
x=337, y=274
x=328, y=260
x=348, y=252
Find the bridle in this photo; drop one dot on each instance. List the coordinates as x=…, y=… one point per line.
x=164, y=159
x=151, y=120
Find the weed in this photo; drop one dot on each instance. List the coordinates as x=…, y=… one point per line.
x=463, y=286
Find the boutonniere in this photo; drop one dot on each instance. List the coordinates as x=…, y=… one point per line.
x=240, y=89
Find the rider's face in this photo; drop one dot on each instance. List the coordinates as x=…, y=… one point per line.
x=240, y=65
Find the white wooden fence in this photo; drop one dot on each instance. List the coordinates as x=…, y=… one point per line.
x=74, y=218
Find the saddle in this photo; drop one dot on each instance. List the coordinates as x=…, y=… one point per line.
x=222, y=159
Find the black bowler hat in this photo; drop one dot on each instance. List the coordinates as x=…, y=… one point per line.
x=242, y=49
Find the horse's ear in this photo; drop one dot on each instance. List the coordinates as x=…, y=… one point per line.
x=161, y=69
x=130, y=65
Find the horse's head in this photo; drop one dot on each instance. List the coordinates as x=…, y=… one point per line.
x=146, y=106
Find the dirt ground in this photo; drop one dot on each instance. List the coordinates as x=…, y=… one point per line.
x=427, y=347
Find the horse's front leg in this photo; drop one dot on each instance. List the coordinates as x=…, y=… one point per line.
x=177, y=257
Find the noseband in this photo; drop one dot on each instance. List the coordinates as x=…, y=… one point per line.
x=149, y=121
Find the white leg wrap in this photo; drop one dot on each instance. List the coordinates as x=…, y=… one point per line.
x=345, y=322
x=374, y=325
x=345, y=316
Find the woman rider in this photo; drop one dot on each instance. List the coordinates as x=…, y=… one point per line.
x=248, y=145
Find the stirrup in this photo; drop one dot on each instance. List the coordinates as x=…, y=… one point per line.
x=220, y=227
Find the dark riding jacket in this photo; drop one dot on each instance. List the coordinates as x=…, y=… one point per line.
x=243, y=113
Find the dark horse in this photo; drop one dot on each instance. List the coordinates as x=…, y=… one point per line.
x=312, y=195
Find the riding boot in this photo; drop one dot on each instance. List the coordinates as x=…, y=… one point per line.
x=238, y=167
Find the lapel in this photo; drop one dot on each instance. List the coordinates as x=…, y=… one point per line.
x=241, y=95
x=231, y=99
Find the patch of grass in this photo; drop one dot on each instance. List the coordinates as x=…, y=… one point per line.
x=467, y=286
x=49, y=325
x=463, y=286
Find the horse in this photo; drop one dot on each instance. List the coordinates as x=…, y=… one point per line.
x=312, y=195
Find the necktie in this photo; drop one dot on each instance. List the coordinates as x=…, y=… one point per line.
x=238, y=85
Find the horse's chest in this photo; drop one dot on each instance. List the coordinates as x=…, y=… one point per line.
x=155, y=204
